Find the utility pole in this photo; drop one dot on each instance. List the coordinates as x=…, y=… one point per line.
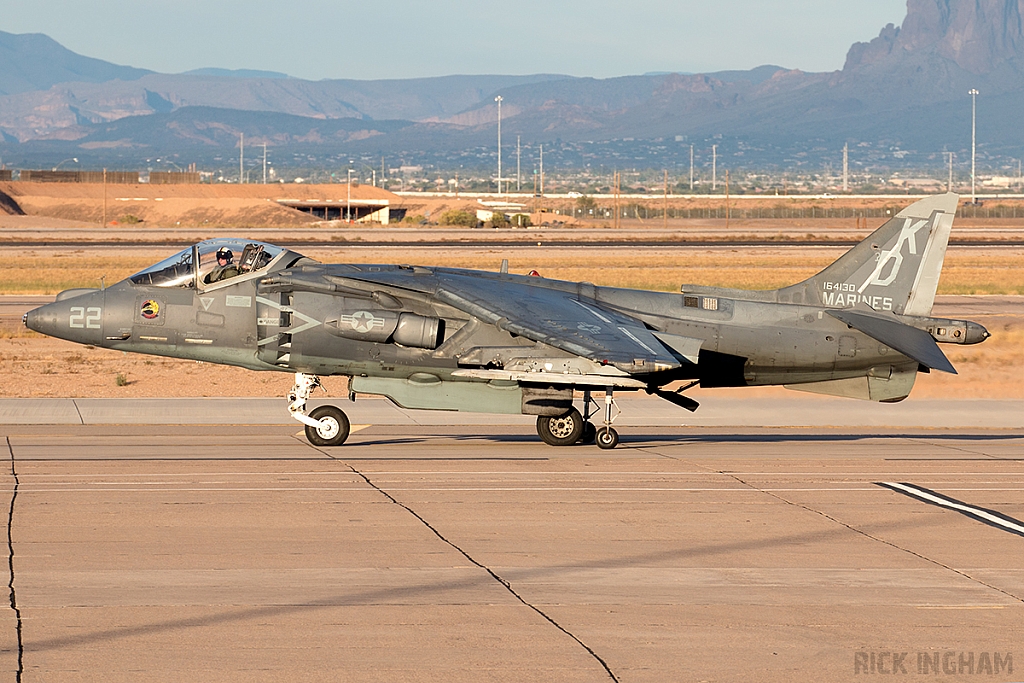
x=974, y=111
x=517, y=163
x=949, y=183
x=691, y=168
x=241, y=158
x=498, y=100
x=714, y=167
x=264, y=163
x=846, y=167
x=104, y=198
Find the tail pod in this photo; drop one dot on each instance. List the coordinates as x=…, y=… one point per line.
x=895, y=269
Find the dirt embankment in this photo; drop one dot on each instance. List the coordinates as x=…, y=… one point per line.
x=9, y=206
x=178, y=205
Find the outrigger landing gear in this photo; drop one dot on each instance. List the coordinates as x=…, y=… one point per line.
x=326, y=425
x=607, y=437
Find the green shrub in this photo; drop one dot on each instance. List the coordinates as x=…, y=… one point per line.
x=459, y=217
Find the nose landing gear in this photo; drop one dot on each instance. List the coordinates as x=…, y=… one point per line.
x=325, y=425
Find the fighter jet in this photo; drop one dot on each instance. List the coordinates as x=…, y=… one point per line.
x=495, y=342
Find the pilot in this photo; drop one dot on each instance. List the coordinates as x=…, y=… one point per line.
x=225, y=267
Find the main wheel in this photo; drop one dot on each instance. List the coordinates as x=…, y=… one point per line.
x=607, y=438
x=333, y=429
x=564, y=430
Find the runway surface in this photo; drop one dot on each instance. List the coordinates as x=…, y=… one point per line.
x=435, y=552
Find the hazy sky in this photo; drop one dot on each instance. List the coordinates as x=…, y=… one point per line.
x=411, y=38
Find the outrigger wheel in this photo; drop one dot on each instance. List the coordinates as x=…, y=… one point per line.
x=564, y=430
x=607, y=438
x=333, y=428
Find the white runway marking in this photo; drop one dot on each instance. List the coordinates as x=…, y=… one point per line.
x=989, y=517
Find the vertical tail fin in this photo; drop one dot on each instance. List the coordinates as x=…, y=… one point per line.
x=895, y=269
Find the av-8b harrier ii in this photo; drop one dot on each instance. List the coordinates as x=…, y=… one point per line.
x=495, y=342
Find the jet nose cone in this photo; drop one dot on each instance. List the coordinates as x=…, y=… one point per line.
x=42, y=319
x=77, y=319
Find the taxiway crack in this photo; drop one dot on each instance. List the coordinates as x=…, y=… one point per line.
x=10, y=564
x=873, y=537
x=494, y=575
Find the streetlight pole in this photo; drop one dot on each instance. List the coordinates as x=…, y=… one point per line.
x=498, y=100
x=974, y=139
x=348, y=197
x=517, y=163
x=714, y=167
x=691, y=169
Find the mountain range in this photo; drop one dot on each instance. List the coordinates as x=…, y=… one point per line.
x=906, y=88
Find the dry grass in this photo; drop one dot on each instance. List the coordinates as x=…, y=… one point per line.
x=965, y=271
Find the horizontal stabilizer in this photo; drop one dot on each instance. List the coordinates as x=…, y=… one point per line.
x=910, y=341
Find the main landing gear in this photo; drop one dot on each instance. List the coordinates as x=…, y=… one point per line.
x=575, y=427
x=325, y=425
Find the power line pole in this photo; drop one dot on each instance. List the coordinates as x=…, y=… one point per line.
x=241, y=158
x=264, y=163
x=949, y=182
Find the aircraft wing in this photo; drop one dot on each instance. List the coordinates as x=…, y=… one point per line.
x=561, y=319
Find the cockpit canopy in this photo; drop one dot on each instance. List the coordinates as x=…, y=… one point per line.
x=246, y=258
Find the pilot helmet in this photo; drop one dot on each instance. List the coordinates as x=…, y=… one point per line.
x=224, y=253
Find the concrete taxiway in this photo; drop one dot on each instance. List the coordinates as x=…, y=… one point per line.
x=458, y=552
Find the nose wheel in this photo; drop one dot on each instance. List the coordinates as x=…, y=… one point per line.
x=325, y=425
x=333, y=427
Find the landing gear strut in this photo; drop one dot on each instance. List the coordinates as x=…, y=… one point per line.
x=607, y=437
x=574, y=427
x=326, y=425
